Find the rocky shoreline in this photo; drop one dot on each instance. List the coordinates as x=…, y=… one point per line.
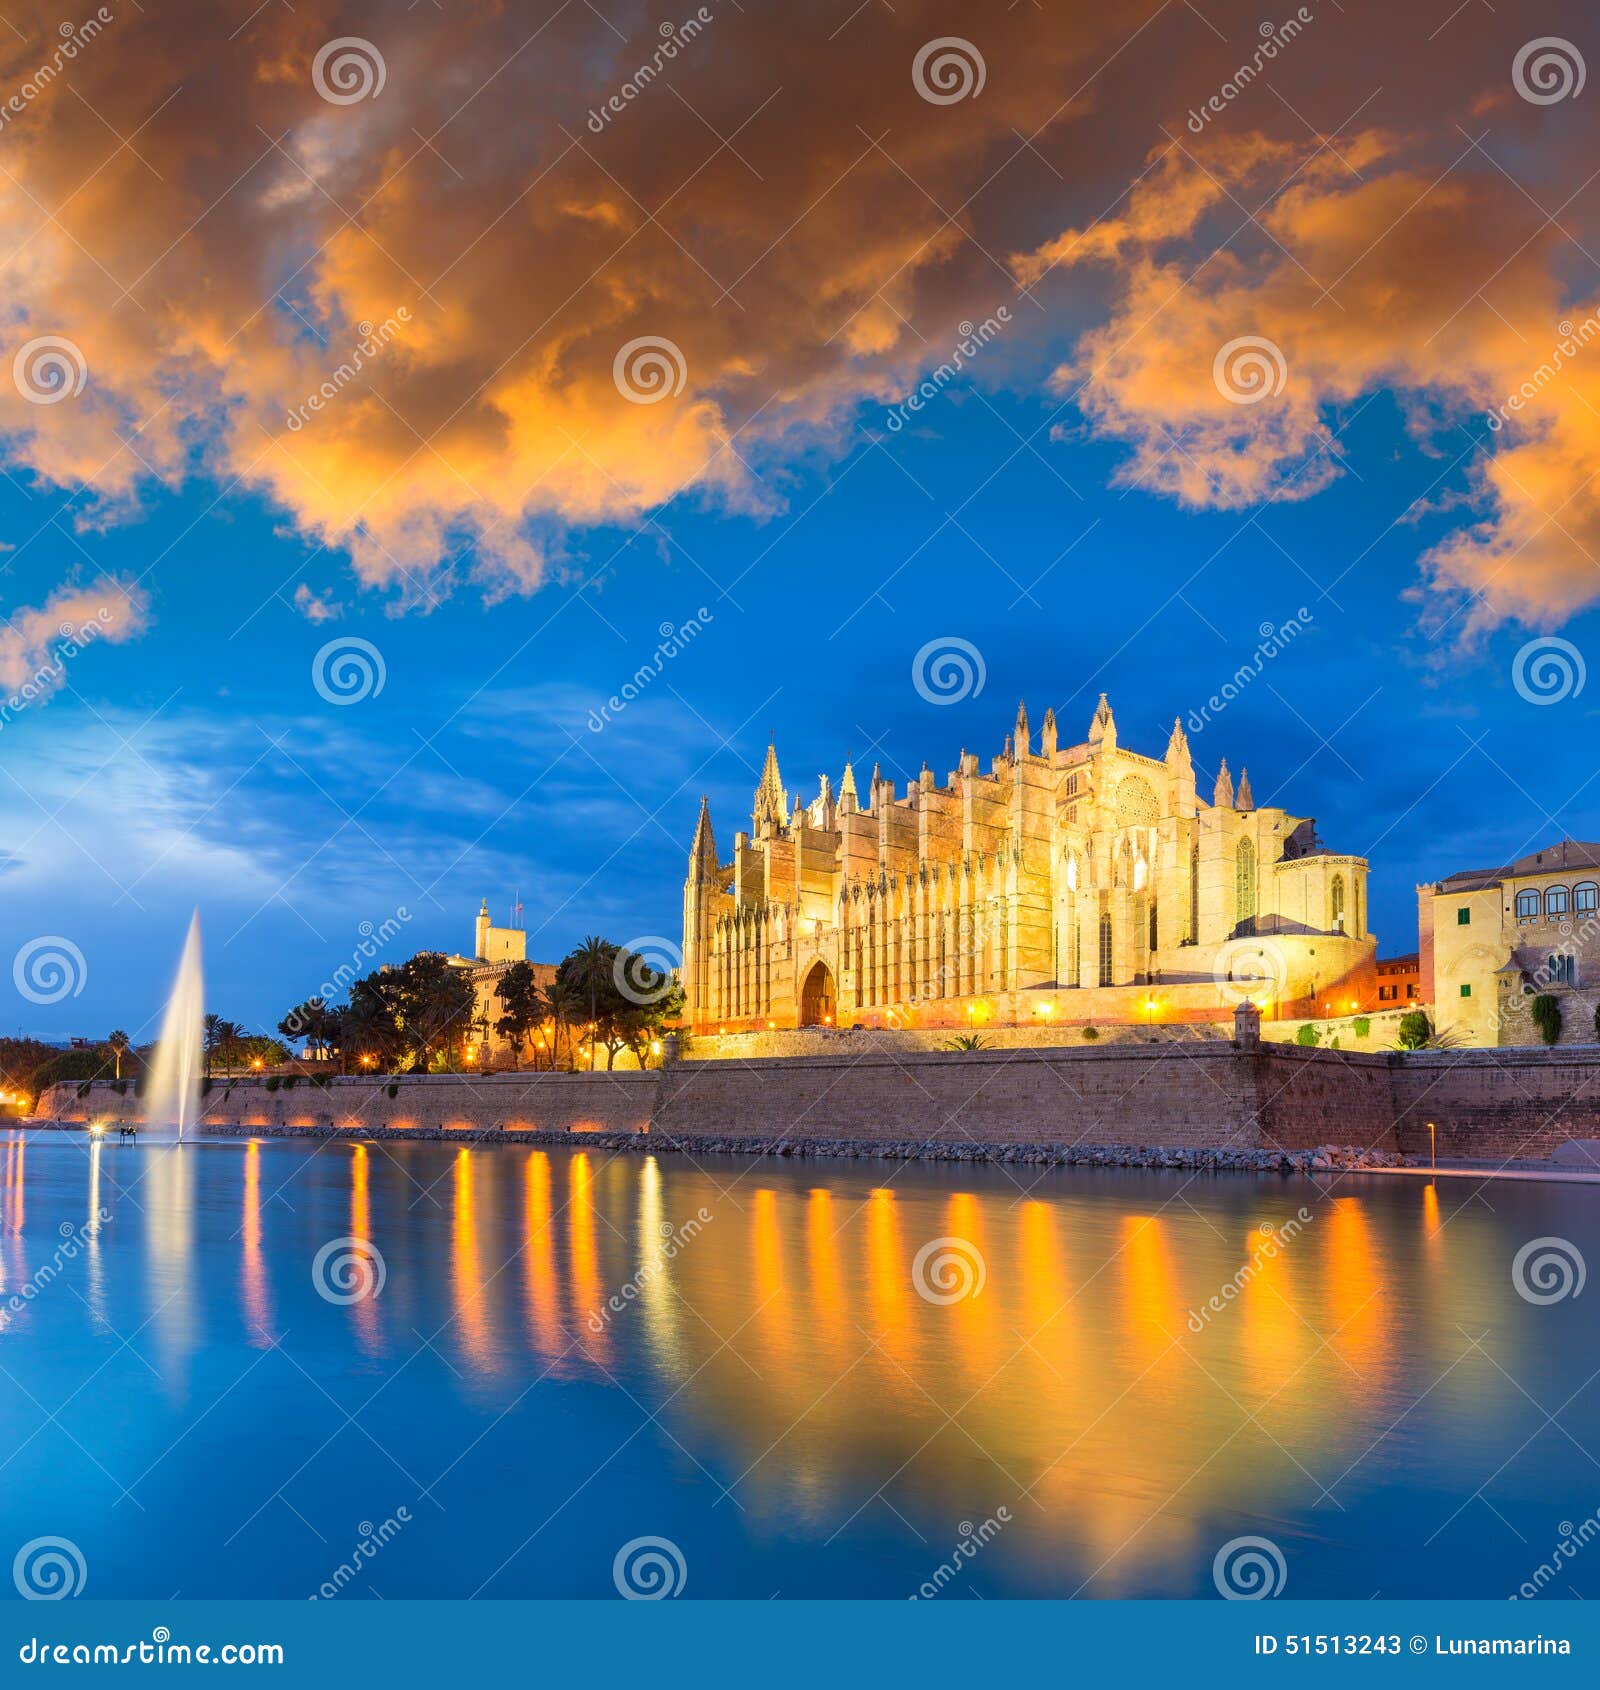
x=1324, y=1158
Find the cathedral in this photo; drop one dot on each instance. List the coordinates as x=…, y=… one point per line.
x=1082, y=882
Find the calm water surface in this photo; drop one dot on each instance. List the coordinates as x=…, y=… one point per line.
x=775, y=1394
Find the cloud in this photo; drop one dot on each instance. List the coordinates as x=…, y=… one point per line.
x=38, y=644
x=553, y=275
x=1230, y=368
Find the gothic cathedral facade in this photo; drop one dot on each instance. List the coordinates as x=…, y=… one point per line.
x=1085, y=882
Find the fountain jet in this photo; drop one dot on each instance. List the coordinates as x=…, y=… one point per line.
x=172, y=1096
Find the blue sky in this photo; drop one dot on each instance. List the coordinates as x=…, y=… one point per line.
x=200, y=765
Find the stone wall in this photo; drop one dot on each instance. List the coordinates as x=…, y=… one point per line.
x=598, y=1102
x=1496, y=1104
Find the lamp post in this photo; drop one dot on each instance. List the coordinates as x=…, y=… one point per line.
x=1433, y=1147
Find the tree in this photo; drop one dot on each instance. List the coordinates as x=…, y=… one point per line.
x=315, y=1021
x=221, y=1040
x=119, y=1042
x=565, y=1009
x=523, y=1003
x=20, y=1059
x=1546, y=1013
x=370, y=1027
x=432, y=1003
x=589, y=970
x=1415, y=1030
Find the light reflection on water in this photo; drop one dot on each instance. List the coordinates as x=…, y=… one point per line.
x=554, y=1368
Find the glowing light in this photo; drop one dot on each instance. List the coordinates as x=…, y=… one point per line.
x=655, y=1047
x=257, y=1063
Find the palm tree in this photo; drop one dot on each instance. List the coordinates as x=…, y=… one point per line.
x=589, y=969
x=119, y=1042
x=563, y=1007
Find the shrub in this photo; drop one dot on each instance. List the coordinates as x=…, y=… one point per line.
x=1091, y=1032
x=321, y=1080
x=1334, y=1044
x=965, y=1041
x=274, y=1081
x=1361, y=1026
x=120, y=1087
x=83, y=1088
x=289, y=1080
x=392, y=1089
x=1415, y=1030
x=1308, y=1034
x=1546, y=1013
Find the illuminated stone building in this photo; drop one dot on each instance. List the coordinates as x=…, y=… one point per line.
x=1085, y=881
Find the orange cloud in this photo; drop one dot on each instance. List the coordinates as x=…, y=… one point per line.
x=38, y=643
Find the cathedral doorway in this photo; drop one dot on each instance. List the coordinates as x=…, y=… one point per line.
x=816, y=997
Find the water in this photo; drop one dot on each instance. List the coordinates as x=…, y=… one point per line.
x=173, y=1094
x=778, y=1399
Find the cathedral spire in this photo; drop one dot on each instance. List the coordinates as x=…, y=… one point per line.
x=1178, y=744
x=1020, y=733
x=1103, y=729
x=703, y=853
x=770, y=805
x=1222, y=797
x=1245, y=799
x=1047, y=733
x=848, y=801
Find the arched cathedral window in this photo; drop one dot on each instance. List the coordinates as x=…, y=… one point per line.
x=1244, y=881
x=1336, y=904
